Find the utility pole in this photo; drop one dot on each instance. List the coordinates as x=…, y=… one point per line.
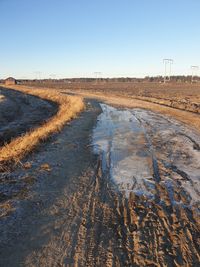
x=194, y=72
x=168, y=68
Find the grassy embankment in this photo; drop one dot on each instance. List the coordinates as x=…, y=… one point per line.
x=68, y=108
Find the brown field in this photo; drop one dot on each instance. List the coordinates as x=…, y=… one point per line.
x=184, y=96
x=181, y=96
x=128, y=88
x=69, y=204
x=180, y=100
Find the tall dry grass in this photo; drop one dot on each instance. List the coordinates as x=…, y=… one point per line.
x=68, y=108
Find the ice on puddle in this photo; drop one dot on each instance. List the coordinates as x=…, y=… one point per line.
x=119, y=138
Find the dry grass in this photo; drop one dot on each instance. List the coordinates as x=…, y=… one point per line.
x=68, y=108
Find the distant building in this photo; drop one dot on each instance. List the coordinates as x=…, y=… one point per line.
x=10, y=81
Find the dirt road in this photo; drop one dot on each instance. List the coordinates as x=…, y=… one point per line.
x=115, y=188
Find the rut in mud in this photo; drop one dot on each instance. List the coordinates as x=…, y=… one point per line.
x=134, y=203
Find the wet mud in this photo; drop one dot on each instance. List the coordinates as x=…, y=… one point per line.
x=115, y=188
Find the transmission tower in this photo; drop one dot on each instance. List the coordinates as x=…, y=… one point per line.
x=168, y=68
x=194, y=72
x=97, y=75
x=52, y=76
x=38, y=75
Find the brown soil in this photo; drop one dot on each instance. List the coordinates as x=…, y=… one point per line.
x=60, y=209
x=182, y=98
x=179, y=95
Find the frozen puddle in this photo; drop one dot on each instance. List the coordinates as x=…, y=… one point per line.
x=140, y=148
x=120, y=140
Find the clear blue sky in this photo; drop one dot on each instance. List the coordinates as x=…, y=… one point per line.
x=75, y=38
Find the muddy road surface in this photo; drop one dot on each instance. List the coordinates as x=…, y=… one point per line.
x=118, y=187
x=20, y=112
